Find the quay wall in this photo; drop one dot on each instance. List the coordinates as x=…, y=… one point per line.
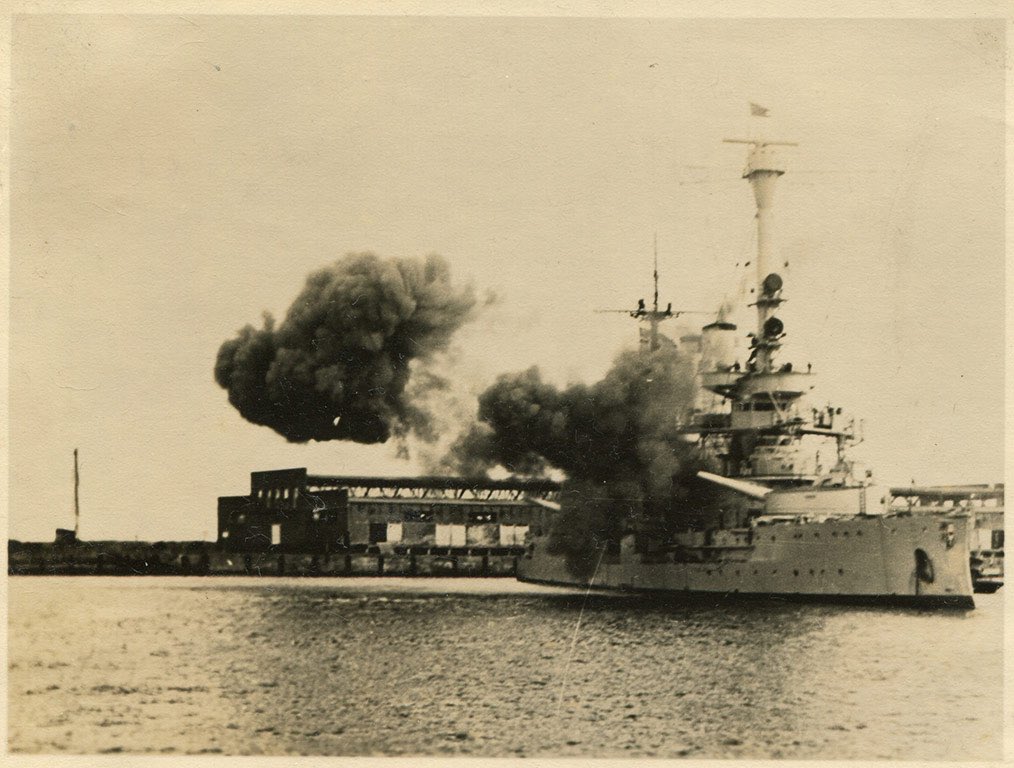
x=200, y=558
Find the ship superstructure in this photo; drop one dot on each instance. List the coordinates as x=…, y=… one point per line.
x=766, y=431
x=807, y=525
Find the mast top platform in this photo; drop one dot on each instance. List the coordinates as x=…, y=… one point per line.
x=762, y=159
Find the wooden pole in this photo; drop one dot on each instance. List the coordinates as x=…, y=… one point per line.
x=77, y=508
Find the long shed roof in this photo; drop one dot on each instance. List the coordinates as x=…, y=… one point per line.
x=434, y=481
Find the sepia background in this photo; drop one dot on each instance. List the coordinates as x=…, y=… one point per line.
x=174, y=176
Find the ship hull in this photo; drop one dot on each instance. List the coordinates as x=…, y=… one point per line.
x=917, y=560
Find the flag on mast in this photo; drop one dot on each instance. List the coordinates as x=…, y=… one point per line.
x=757, y=110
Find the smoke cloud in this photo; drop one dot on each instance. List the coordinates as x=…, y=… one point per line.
x=626, y=425
x=618, y=441
x=351, y=360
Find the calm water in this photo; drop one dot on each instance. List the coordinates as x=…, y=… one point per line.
x=488, y=667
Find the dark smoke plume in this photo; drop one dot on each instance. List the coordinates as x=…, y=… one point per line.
x=618, y=441
x=339, y=365
x=620, y=427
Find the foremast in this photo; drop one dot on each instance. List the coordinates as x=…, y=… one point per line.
x=761, y=435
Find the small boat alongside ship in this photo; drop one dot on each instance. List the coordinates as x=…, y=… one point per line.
x=802, y=521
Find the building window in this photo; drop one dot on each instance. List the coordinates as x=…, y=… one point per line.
x=378, y=533
x=512, y=535
x=394, y=531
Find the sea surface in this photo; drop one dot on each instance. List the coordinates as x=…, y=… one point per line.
x=488, y=667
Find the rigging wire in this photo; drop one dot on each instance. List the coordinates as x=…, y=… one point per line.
x=577, y=627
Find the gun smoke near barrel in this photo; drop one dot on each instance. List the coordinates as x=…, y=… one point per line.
x=617, y=440
x=339, y=365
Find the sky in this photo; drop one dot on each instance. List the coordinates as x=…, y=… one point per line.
x=173, y=177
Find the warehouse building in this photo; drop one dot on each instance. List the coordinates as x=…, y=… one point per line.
x=289, y=510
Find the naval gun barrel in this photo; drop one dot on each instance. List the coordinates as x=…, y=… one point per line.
x=753, y=490
x=543, y=503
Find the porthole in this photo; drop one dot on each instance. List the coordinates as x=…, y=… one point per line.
x=811, y=571
x=859, y=533
x=845, y=534
x=841, y=572
x=795, y=572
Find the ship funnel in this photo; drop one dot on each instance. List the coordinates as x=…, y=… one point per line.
x=753, y=490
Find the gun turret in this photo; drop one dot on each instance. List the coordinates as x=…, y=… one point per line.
x=753, y=490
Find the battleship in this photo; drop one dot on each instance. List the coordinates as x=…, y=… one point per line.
x=810, y=524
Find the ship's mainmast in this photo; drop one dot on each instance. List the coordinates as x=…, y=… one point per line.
x=654, y=316
x=651, y=341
